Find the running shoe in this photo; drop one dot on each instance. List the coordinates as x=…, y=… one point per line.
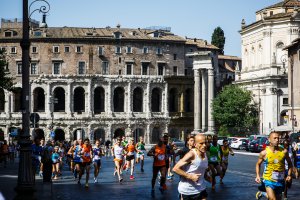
x=131, y=177
x=142, y=170
x=78, y=182
x=41, y=173
x=115, y=172
x=86, y=185
x=120, y=180
x=95, y=180
x=258, y=195
x=169, y=177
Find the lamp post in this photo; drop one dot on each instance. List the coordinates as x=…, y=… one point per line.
x=259, y=105
x=26, y=177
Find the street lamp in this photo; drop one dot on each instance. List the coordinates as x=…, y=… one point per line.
x=26, y=177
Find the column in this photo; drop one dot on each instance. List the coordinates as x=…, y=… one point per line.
x=69, y=102
x=211, y=122
x=204, y=99
x=48, y=105
x=129, y=100
x=7, y=103
x=31, y=100
x=109, y=133
x=12, y=102
x=166, y=100
x=181, y=109
x=108, y=99
x=89, y=102
x=148, y=131
x=197, y=106
x=148, y=101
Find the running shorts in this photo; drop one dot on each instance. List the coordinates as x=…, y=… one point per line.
x=277, y=187
x=202, y=195
x=129, y=158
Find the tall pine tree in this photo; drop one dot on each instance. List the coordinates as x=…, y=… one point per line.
x=218, y=39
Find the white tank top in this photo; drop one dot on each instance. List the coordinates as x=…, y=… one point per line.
x=198, y=166
x=118, y=151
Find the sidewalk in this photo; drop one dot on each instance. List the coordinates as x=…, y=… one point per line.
x=9, y=178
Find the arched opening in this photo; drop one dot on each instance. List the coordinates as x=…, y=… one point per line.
x=173, y=100
x=38, y=100
x=119, y=99
x=119, y=133
x=174, y=133
x=79, y=100
x=137, y=133
x=17, y=99
x=59, y=95
x=79, y=134
x=39, y=133
x=59, y=135
x=1, y=135
x=155, y=135
x=279, y=52
x=138, y=100
x=99, y=134
x=2, y=100
x=99, y=99
x=189, y=100
x=156, y=100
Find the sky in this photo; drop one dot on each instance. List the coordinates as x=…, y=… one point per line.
x=191, y=18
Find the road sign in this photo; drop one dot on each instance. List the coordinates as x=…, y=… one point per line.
x=34, y=117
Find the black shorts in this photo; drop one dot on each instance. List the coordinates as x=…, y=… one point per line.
x=202, y=195
x=129, y=158
x=214, y=163
x=84, y=164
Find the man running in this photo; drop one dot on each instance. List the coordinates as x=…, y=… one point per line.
x=78, y=160
x=87, y=154
x=189, y=144
x=225, y=152
x=97, y=153
x=193, y=170
x=140, y=146
x=117, y=152
x=274, y=161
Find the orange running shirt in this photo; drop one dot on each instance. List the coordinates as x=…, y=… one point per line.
x=86, y=157
x=160, y=155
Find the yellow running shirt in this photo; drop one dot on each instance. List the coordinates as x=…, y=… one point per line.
x=274, y=165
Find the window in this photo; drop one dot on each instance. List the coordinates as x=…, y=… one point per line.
x=34, y=49
x=285, y=101
x=271, y=13
x=8, y=34
x=120, y=72
x=3, y=49
x=56, y=68
x=33, y=68
x=117, y=35
x=55, y=49
x=81, y=67
x=67, y=49
x=105, y=70
x=79, y=49
x=145, y=68
x=118, y=50
x=129, y=69
x=19, y=68
x=175, y=70
x=145, y=50
x=100, y=51
x=13, y=50
x=156, y=34
x=158, y=51
x=120, y=59
x=160, y=69
x=128, y=50
x=175, y=56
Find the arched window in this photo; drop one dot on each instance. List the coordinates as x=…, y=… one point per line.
x=138, y=100
x=279, y=52
x=2, y=100
x=119, y=133
x=173, y=100
x=99, y=134
x=18, y=99
x=59, y=135
x=156, y=100
x=79, y=100
x=59, y=95
x=139, y=132
x=99, y=99
x=38, y=100
x=119, y=99
x=189, y=100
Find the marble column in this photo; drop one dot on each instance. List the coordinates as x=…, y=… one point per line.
x=31, y=100
x=181, y=98
x=211, y=122
x=69, y=101
x=166, y=100
x=197, y=105
x=108, y=99
x=48, y=104
x=148, y=101
x=129, y=100
x=148, y=131
x=204, y=100
x=7, y=104
x=89, y=103
x=12, y=102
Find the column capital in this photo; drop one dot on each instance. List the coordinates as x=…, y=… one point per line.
x=210, y=72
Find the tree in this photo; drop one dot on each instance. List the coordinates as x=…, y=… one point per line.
x=235, y=112
x=6, y=81
x=218, y=39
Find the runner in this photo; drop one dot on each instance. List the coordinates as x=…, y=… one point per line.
x=130, y=151
x=214, y=160
x=169, y=154
x=225, y=151
x=140, y=146
x=70, y=156
x=159, y=164
x=273, y=176
x=193, y=170
x=62, y=156
x=87, y=154
x=36, y=155
x=55, y=163
x=107, y=148
x=97, y=153
x=286, y=145
x=124, y=144
x=43, y=145
x=117, y=152
x=5, y=152
x=297, y=158
x=189, y=144
x=78, y=160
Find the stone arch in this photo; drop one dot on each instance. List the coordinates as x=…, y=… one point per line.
x=138, y=94
x=2, y=100
x=38, y=100
x=59, y=134
x=119, y=99
x=174, y=133
x=156, y=100
x=173, y=100
x=79, y=133
x=155, y=136
x=189, y=100
x=137, y=133
x=59, y=94
x=99, y=134
x=79, y=99
x=17, y=99
x=99, y=100
x=120, y=132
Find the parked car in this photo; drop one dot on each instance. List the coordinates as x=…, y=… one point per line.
x=230, y=139
x=256, y=137
x=263, y=143
x=245, y=145
x=220, y=139
x=253, y=146
x=238, y=143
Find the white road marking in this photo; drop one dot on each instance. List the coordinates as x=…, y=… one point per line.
x=246, y=153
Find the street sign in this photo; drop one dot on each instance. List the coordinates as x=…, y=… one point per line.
x=34, y=117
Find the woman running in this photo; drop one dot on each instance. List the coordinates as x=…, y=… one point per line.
x=55, y=162
x=224, y=164
x=70, y=157
x=130, y=151
x=97, y=153
x=87, y=154
x=62, y=154
x=118, y=152
x=140, y=146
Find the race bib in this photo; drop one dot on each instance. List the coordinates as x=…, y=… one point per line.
x=87, y=154
x=161, y=156
x=214, y=159
x=277, y=176
x=96, y=157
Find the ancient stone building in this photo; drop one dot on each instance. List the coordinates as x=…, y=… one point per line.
x=102, y=82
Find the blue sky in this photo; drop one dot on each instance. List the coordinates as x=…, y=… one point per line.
x=191, y=18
